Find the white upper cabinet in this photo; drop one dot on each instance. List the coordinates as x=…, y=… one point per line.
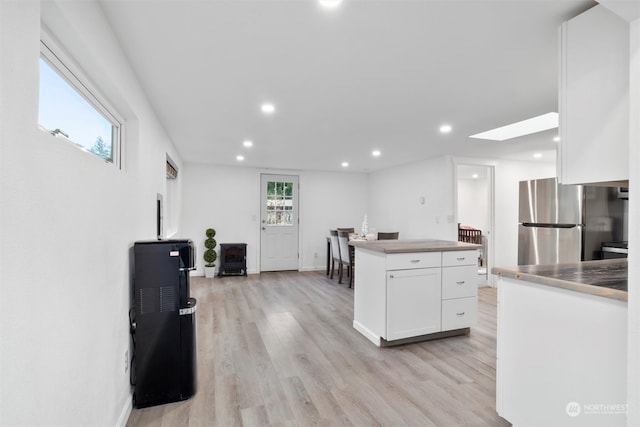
x=594, y=98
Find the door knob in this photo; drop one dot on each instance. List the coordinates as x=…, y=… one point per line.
x=264, y=228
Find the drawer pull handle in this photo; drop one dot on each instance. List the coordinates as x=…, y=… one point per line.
x=461, y=258
x=415, y=260
x=460, y=283
x=460, y=314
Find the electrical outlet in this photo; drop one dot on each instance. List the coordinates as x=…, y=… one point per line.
x=126, y=361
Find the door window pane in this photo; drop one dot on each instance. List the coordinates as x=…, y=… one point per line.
x=279, y=203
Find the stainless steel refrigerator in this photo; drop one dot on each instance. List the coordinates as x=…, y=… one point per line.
x=564, y=223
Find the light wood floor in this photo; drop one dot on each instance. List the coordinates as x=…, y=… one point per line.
x=279, y=349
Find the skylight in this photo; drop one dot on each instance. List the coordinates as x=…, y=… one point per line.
x=524, y=127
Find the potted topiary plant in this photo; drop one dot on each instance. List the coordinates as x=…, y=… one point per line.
x=210, y=255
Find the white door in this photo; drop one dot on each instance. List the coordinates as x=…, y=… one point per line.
x=279, y=223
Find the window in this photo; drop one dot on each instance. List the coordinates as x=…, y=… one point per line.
x=279, y=203
x=68, y=108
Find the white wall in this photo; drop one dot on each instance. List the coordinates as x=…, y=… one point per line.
x=68, y=221
x=473, y=203
x=227, y=198
x=395, y=200
x=391, y=199
x=327, y=201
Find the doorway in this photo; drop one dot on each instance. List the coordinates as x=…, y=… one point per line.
x=279, y=222
x=474, y=207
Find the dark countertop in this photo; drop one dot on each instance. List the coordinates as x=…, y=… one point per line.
x=410, y=246
x=605, y=278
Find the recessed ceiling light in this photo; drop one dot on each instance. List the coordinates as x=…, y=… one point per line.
x=247, y=143
x=445, y=128
x=329, y=4
x=376, y=153
x=268, y=108
x=474, y=176
x=537, y=156
x=556, y=138
x=345, y=164
x=524, y=127
x=240, y=158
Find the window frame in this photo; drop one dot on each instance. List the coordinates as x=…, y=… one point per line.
x=276, y=203
x=67, y=68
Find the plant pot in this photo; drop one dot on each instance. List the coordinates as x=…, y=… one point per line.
x=209, y=272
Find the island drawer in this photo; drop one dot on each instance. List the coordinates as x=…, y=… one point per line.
x=459, y=313
x=413, y=260
x=454, y=258
x=459, y=282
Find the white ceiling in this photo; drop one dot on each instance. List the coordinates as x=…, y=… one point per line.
x=373, y=74
x=473, y=172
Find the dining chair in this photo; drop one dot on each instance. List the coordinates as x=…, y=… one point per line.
x=335, y=252
x=469, y=234
x=346, y=256
x=388, y=236
x=348, y=230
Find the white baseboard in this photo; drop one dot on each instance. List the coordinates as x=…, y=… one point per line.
x=313, y=268
x=367, y=333
x=125, y=413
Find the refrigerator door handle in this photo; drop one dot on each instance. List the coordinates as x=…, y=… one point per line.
x=539, y=225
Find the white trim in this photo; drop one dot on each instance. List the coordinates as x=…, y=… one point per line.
x=313, y=268
x=489, y=256
x=371, y=336
x=126, y=411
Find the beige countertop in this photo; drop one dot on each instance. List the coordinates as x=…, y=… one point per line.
x=410, y=246
x=605, y=278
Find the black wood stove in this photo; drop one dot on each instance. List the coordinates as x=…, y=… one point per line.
x=233, y=259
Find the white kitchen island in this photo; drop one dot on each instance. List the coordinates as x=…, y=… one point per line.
x=409, y=290
x=562, y=344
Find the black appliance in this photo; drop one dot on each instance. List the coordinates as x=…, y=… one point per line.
x=233, y=259
x=163, y=322
x=612, y=250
